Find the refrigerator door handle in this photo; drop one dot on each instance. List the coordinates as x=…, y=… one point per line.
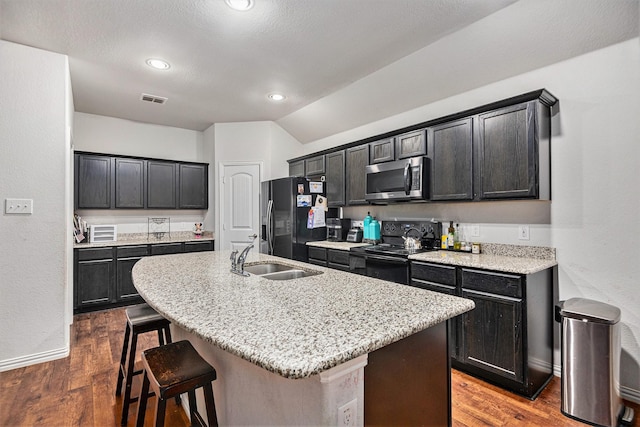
x=270, y=226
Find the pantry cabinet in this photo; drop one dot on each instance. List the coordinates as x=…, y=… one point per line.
x=507, y=339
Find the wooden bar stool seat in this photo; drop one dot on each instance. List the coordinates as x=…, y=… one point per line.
x=174, y=369
x=140, y=319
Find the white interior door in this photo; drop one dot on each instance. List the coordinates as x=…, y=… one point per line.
x=240, y=205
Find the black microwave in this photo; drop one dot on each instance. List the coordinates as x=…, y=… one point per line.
x=402, y=180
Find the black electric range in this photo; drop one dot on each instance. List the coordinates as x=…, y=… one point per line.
x=389, y=260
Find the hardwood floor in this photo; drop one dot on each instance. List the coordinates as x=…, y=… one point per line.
x=80, y=389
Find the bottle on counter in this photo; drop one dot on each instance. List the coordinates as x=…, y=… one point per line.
x=450, y=233
x=456, y=238
x=365, y=226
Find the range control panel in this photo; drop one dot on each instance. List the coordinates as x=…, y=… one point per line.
x=417, y=229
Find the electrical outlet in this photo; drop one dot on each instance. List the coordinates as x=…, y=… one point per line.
x=475, y=230
x=18, y=206
x=357, y=224
x=523, y=232
x=347, y=414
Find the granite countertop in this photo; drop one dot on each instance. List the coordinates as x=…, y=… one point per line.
x=343, y=246
x=507, y=264
x=295, y=328
x=127, y=239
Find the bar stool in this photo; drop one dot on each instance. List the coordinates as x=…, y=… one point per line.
x=171, y=370
x=140, y=319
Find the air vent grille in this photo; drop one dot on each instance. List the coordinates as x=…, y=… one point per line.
x=154, y=99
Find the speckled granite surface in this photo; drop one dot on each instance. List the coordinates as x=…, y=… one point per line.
x=295, y=328
x=508, y=264
x=126, y=239
x=343, y=246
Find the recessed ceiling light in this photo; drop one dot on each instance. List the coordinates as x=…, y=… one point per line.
x=276, y=97
x=158, y=64
x=241, y=5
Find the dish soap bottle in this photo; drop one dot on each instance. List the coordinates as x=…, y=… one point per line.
x=450, y=238
x=365, y=226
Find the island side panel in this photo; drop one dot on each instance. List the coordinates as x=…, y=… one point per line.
x=409, y=382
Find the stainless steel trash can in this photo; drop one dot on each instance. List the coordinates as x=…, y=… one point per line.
x=591, y=362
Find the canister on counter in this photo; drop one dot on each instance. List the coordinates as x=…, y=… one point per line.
x=475, y=248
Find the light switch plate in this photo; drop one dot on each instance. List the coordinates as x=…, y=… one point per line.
x=18, y=206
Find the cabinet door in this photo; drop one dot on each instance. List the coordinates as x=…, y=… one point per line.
x=166, y=248
x=129, y=183
x=411, y=144
x=317, y=256
x=357, y=158
x=296, y=168
x=335, y=179
x=382, y=151
x=93, y=181
x=507, y=153
x=492, y=334
x=198, y=246
x=451, y=153
x=124, y=283
x=94, y=282
x=161, y=184
x=314, y=166
x=193, y=192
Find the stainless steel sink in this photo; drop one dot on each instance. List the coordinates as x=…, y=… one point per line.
x=260, y=269
x=290, y=274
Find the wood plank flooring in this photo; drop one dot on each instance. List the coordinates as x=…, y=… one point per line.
x=80, y=389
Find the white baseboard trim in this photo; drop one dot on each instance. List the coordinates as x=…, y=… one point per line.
x=627, y=393
x=32, y=359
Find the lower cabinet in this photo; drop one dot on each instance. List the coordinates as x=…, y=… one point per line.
x=508, y=338
x=338, y=259
x=102, y=276
x=317, y=256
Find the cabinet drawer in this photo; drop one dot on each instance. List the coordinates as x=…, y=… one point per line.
x=338, y=257
x=442, y=274
x=131, y=251
x=168, y=248
x=198, y=246
x=89, y=254
x=318, y=253
x=339, y=267
x=495, y=283
x=436, y=287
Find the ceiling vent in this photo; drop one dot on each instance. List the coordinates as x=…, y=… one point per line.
x=153, y=98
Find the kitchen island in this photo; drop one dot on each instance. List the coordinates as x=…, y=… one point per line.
x=294, y=352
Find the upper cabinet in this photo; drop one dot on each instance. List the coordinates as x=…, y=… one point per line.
x=357, y=158
x=296, y=168
x=335, y=170
x=116, y=182
x=93, y=181
x=451, y=154
x=314, y=166
x=382, y=151
x=411, y=144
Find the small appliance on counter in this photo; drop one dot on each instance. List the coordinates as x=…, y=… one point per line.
x=337, y=229
x=355, y=235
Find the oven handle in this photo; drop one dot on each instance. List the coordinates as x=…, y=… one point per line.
x=407, y=178
x=387, y=259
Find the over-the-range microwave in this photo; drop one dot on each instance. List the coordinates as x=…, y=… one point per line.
x=401, y=180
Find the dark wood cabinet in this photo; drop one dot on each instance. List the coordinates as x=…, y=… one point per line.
x=129, y=183
x=297, y=168
x=126, y=258
x=338, y=259
x=102, y=276
x=508, y=153
x=92, y=181
x=507, y=339
x=335, y=179
x=317, y=256
x=357, y=158
x=161, y=185
x=451, y=154
x=382, y=151
x=193, y=191
x=411, y=144
x=94, y=277
x=314, y=166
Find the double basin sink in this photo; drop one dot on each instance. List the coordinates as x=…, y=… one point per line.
x=276, y=271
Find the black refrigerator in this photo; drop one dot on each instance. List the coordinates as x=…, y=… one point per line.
x=285, y=230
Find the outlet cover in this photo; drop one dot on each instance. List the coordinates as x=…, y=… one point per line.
x=523, y=232
x=348, y=413
x=474, y=230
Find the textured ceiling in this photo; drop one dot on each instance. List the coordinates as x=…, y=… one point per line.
x=327, y=56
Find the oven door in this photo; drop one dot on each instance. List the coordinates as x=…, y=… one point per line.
x=390, y=268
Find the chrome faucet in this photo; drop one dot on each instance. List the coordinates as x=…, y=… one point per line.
x=237, y=266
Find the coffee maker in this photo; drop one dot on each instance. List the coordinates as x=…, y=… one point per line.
x=337, y=229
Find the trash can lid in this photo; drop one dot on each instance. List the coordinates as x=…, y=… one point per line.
x=590, y=310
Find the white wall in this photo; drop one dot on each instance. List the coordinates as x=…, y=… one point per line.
x=110, y=135
x=34, y=255
x=592, y=220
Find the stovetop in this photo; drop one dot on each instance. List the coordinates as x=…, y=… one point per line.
x=389, y=249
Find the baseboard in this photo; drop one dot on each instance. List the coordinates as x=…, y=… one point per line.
x=627, y=393
x=32, y=359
